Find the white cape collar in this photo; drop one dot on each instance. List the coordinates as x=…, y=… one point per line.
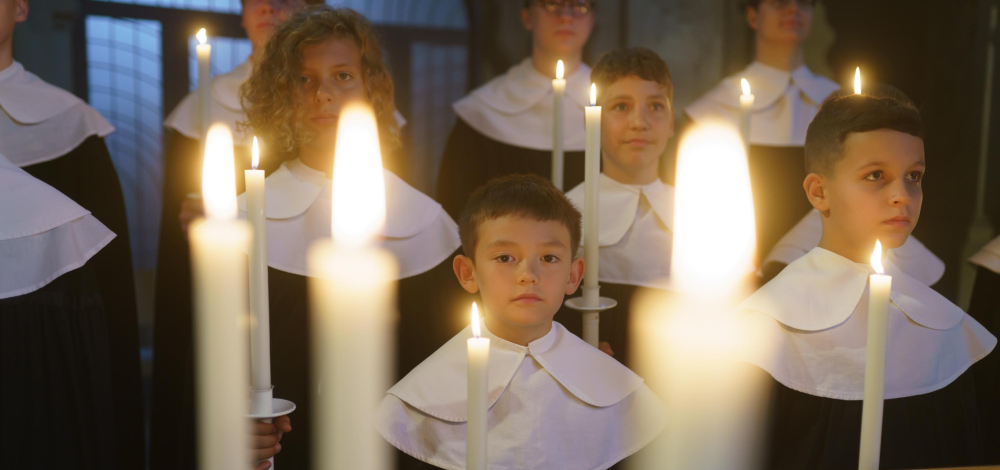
x=516, y=108
x=298, y=210
x=43, y=233
x=913, y=257
x=989, y=256
x=768, y=84
x=618, y=203
x=437, y=386
x=813, y=319
x=40, y=122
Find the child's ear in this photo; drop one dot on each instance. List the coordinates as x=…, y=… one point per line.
x=814, y=185
x=575, y=275
x=466, y=273
x=526, y=19
x=751, y=14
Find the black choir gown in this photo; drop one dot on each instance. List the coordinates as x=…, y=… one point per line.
x=779, y=202
x=985, y=308
x=937, y=429
x=471, y=159
x=103, y=340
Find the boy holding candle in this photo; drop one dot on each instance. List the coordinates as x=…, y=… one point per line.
x=636, y=207
x=554, y=401
x=865, y=158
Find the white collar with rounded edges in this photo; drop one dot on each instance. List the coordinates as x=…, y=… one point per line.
x=298, y=209
x=618, y=203
x=437, y=386
x=989, y=256
x=43, y=233
x=812, y=318
x=767, y=84
x=41, y=122
x=516, y=108
x=913, y=257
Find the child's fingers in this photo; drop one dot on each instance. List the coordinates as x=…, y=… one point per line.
x=263, y=465
x=265, y=442
x=261, y=454
x=283, y=423
x=260, y=428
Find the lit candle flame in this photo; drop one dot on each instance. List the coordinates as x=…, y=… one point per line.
x=712, y=251
x=857, y=81
x=254, y=154
x=202, y=36
x=475, y=321
x=559, y=69
x=877, y=258
x=593, y=94
x=218, y=177
x=358, y=184
x=746, y=86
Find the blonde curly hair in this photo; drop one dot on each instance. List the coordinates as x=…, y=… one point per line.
x=271, y=97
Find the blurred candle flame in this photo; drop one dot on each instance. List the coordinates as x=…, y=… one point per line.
x=593, y=94
x=857, y=81
x=358, y=183
x=254, y=154
x=746, y=86
x=475, y=321
x=218, y=177
x=202, y=36
x=559, y=69
x=877, y=258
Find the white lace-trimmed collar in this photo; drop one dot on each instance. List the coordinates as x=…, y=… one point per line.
x=913, y=257
x=516, y=108
x=298, y=204
x=437, y=386
x=989, y=256
x=812, y=318
x=40, y=122
x=618, y=203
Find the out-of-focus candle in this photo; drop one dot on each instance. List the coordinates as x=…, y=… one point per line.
x=591, y=218
x=879, y=286
x=857, y=81
x=746, y=107
x=218, y=247
x=558, y=93
x=353, y=297
x=204, y=78
x=478, y=404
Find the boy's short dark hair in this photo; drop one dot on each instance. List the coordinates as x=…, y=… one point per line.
x=844, y=114
x=517, y=195
x=641, y=62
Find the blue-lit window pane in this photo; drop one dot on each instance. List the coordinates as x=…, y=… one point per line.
x=220, y=6
x=438, y=74
x=227, y=54
x=440, y=14
x=125, y=79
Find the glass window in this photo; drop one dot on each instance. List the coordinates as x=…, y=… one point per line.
x=227, y=54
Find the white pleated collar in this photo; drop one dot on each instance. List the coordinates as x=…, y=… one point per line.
x=298, y=210
x=989, y=256
x=812, y=318
x=516, y=108
x=43, y=233
x=437, y=386
x=41, y=122
x=913, y=257
x=618, y=203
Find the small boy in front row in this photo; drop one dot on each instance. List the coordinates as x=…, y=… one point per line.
x=864, y=156
x=554, y=401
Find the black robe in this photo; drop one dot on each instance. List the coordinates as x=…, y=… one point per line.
x=87, y=176
x=937, y=429
x=985, y=308
x=471, y=159
x=779, y=202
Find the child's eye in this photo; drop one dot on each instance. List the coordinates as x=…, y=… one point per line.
x=874, y=176
x=658, y=107
x=915, y=176
x=619, y=107
x=550, y=259
x=344, y=76
x=304, y=79
x=504, y=258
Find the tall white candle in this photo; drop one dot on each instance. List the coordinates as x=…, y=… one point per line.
x=478, y=403
x=591, y=218
x=879, y=286
x=558, y=93
x=857, y=81
x=746, y=107
x=352, y=293
x=204, y=78
x=218, y=247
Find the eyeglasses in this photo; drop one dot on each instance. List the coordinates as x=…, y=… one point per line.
x=576, y=7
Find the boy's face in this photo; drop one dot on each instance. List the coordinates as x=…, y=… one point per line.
x=875, y=190
x=782, y=21
x=636, y=123
x=260, y=17
x=331, y=77
x=523, y=268
x=561, y=32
